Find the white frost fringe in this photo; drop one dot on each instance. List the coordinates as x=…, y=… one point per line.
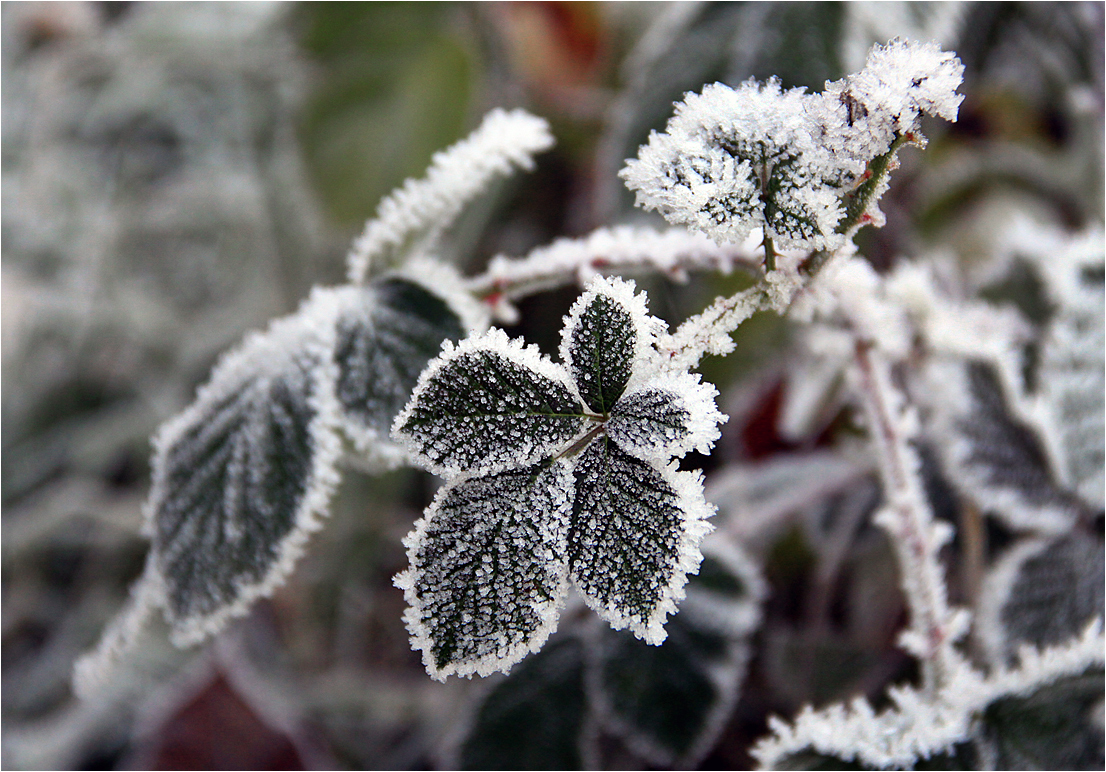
x=920, y=726
x=456, y=175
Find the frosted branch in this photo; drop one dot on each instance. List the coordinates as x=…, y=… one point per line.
x=422, y=209
x=917, y=538
x=919, y=725
x=621, y=249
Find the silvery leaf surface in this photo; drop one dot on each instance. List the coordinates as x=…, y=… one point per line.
x=667, y=416
x=385, y=335
x=486, y=405
x=636, y=528
x=243, y=476
x=1041, y=592
x=487, y=575
x=997, y=459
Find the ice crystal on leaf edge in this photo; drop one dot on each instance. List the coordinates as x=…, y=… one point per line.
x=471, y=420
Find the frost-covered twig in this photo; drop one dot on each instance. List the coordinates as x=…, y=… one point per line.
x=922, y=725
x=423, y=208
x=673, y=252
x=917, y=538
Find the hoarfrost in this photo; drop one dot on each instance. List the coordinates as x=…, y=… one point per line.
x=486, y=409
x=487, y=577
x=423, y=208
x=789, y=162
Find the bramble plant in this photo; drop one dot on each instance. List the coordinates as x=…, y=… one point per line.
x=562, y=478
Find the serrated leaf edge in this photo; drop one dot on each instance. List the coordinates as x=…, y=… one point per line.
x=421, y=639
x=308, y=332
x=727, y=676
x=688, y=487
x=647, y=327
x=495, y=341
x=949, y=382
x=698, y=399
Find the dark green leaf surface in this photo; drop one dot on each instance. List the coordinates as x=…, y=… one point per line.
x=1056, y=593
x=601, y=351
x=534, y=718
x=625, y=540
x=384, y=344
x=481, y=410
x=229, y=488
x=1057, y=727
x=487, y=574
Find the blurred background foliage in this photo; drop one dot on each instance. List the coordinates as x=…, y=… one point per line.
x=175, y=174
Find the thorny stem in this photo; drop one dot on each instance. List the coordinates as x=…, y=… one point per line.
x=934, y=626
x=567, y=261
x=769, y=254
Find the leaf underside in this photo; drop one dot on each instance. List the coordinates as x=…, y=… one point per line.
x=624, y=543
x=488, y=572
x=601, y=352
x=381, y=351
x=233, y=482
x=480, y=410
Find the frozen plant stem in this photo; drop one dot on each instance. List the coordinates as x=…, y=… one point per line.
x=917, y=538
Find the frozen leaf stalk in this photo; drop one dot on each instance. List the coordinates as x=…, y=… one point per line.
x=556, y=474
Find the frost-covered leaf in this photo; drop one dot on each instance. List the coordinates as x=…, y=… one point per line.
x=488, y=404
x=534, y=718
x=923, y=728
x=1071, y=376
x=1042, y=592
x=1058, y=726
x=667, y=417
x=636, y=528
x=994, y=457
x=386, y=334
x=671, y=701
x=487, y=575
x=243, y=475
x=788, y=162
x=735, y=159
x=607, y=331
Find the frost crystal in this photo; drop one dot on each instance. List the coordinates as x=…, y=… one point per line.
x=608, y=420
x=424, y=208
x=788, y=162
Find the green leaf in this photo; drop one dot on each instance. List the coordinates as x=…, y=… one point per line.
x=1059, y=726
x=385, y=337
x=487, y=576
x=534, y=718
x=668, y=416
x=242, y=476
x=671, y=701
x=1000, y=461
x=486, y=405
x=1056, y=593
x=602, y=341
x=636, y=528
